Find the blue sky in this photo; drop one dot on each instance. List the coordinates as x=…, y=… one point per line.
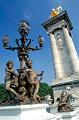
x=36, y=12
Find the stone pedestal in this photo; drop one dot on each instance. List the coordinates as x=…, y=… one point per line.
x=26, y=112
x=70, y=115
x=74, y=115
x=71, y=81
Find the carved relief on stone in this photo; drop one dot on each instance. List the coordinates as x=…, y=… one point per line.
x=59, y=41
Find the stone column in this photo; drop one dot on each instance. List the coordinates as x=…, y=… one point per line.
x=72, y=50
x=57, y=65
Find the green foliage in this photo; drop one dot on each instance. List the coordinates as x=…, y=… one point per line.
x=5, y=95
x=45, y=89
x=2, y=92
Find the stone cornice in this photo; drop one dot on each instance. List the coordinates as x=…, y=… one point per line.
x=65, y=82
x=62, y=16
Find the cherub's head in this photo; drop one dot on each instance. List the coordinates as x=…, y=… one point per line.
x=9, y=64
x=29, y=63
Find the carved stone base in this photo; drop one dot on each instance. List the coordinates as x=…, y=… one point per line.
x=70, y=115
x=59, y=85
x=26, y=112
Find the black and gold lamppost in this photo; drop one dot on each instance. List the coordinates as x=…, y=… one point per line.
x=23, y=45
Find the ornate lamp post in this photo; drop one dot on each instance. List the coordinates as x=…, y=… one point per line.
x=23, y=44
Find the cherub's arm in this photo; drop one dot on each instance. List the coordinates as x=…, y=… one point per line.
x=11, y=71
x=8, y=70
x=40, y=74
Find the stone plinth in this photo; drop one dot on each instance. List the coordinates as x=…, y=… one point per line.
x=74, y=115
x=26, y=112
x=70, y=115
x=71, y=81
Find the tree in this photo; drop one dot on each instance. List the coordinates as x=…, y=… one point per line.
x=4, y=94
x=45, y=89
